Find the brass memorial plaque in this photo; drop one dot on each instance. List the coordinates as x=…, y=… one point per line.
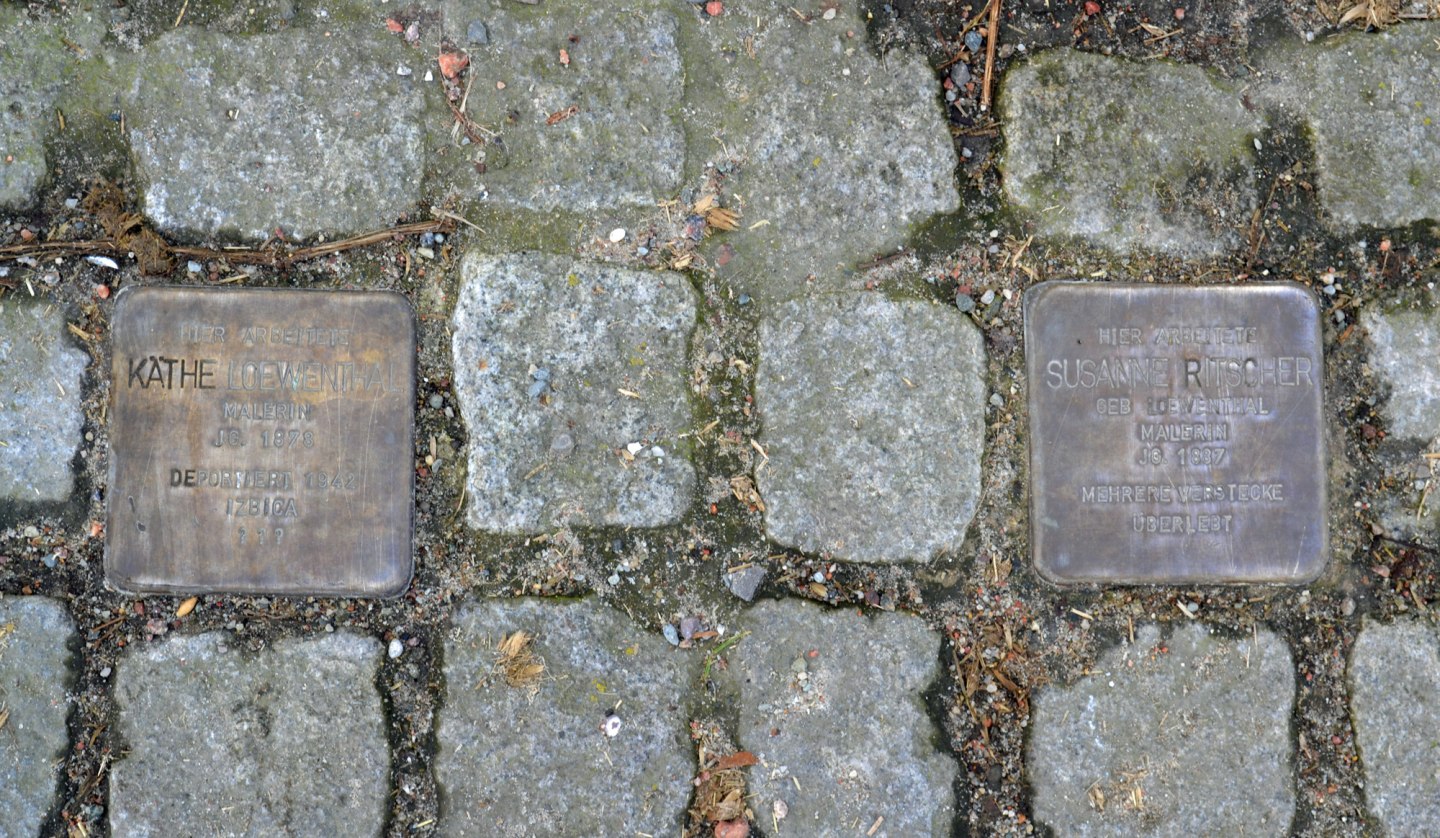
x=261, y=441
x=1175, y=433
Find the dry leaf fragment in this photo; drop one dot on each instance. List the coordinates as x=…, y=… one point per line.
x=743, y=488
x=517, y=661
x=739, y=759
x=562, y=115
x=722, y=219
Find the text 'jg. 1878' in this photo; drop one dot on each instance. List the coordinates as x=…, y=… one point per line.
x=1175, y=433
x=261, y=441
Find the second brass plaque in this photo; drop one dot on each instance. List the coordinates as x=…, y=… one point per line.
x=261, y=441
x=1175, y=433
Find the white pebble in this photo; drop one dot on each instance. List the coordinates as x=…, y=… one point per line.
x=617, y=235
x=103, y=262
x=829, y=14
x=402, y=70
x=657, y=451
x=396, y=648
x=612, y=725
x=193, y=267
x=429, y=76
x=634, y=448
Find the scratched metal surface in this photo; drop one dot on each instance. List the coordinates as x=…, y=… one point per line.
x=261, y=442
x=1175, y=433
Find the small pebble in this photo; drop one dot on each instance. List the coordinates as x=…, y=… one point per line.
x=396, y=648
x=402, y=70
x=690, y=626
x=427, y=239
x=671, y=634
x=642, y=250
x=829, y=14
x=964, y=302
x=72, y=203
x=613, y=579
x=744, y=300
x=617, y=235
x=819, y=577
x=194, y=267
x=478, y=32
x=974, y=40
x=960, y=74
x=48, y=560
x=562, y=444
x=425, y=252
x=612, y=725
x=105, y=673
x=987, y=298
x=634, y=448
x=997, y=400
x=437, y=401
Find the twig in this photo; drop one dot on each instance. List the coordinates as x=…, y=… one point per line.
x=993, y=29
x=272, y=256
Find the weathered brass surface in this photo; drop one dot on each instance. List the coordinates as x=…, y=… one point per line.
x=261, y=441
x=1175, y=433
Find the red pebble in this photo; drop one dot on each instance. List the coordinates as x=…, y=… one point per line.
x=714, y=8
x=1179, y=13
x=1091, y=8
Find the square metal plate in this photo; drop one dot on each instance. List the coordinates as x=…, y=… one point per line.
x=261, y=441
x=1175, y=433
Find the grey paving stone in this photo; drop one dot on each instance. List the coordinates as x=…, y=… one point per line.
x=561, y=368
x=35, y=681
x=1129, y=155
x=1394, y=700
x=1372, y=104
x=623, y=145
x=293, y=131
x=522, y=761
x=872, y=414
x=35, y=66
x=40, y=415
x=840, y=153
x=290, y=741
x=1195, y=726
x=1404, y=344
x=854, y=743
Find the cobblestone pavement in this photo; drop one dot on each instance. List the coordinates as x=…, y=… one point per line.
x=721, y=453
